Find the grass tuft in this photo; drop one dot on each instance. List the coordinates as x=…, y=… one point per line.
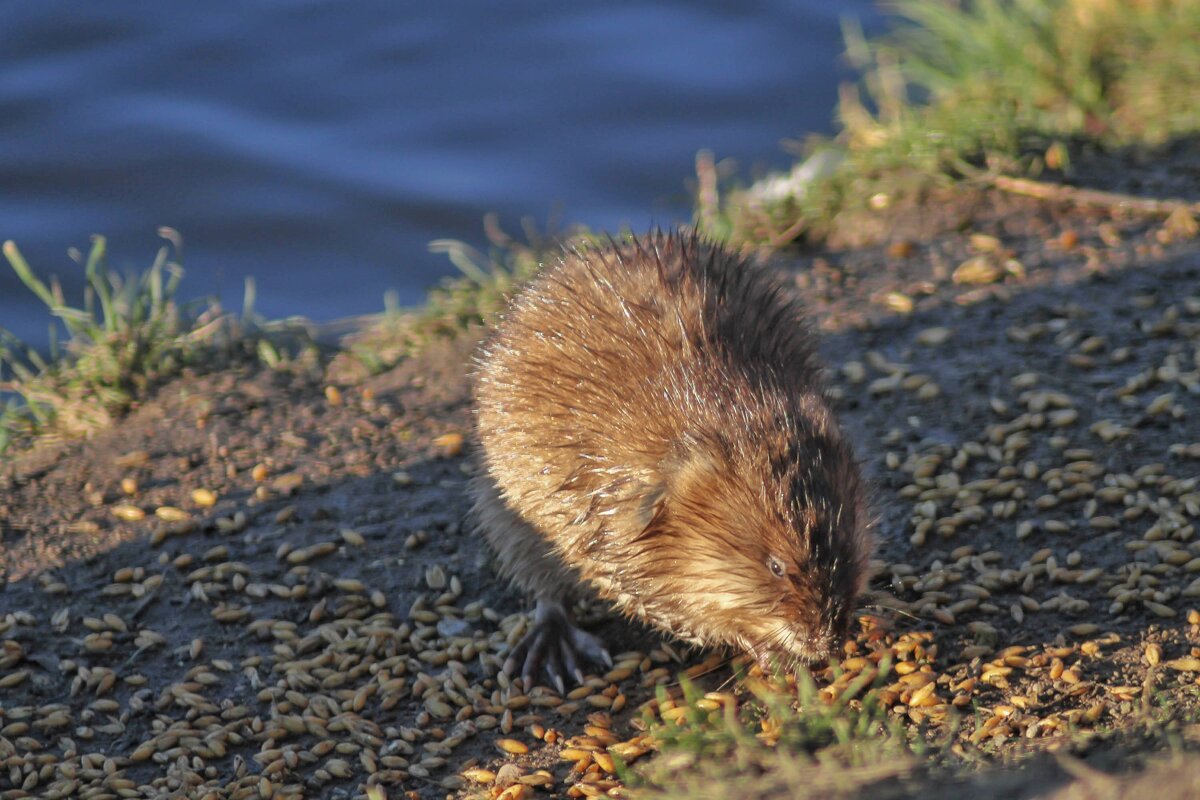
x=784, y=739
x=464, y=302
x=1012, y=86
x=130, y=335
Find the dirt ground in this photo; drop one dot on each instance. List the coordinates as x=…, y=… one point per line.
x=260, y=585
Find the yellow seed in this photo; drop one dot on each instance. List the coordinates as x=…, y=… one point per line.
x=984, y=243
x=97, y=642
x=334, y=395
x=618, y=674
x=205, y=498
x=1063, y=418
x=629, y=751
x=1093, y=714
x=1160, y=404
x=479, y=775
x=512, y=746
x=1158, y=609
x=934, y=336
x=925, y=696
x=449, y=444
x=573, y=754
x=129, y=486
x=259, y=473
x=442, y=710
x=1153, y=654
x=14, y=678
x=352, y=537
x=977, y=270
x=435, y=577
x=171, y=513
x=287, y=484
x=128, y=513
x=898, y=302
x=1189, y=664
x=673, y=714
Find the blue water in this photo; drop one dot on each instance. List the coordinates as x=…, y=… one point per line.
x=320, y=146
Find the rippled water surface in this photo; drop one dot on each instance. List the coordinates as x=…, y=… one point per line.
x=320, y=146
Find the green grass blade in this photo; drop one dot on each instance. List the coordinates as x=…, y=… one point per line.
x=98, y=280
x=21, y=267
x=463, y=256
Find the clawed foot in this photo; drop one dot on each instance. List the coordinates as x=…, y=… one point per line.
x=555, y=647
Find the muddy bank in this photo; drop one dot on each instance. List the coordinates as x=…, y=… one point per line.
x=260, y=584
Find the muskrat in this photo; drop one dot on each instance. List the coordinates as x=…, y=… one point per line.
x=653, y=426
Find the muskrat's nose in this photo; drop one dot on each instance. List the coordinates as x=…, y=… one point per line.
x=827, y=644
x=818, y=647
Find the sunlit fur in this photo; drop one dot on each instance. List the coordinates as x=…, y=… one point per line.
x=653, y=424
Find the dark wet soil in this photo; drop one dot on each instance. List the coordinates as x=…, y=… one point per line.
x=335, y=561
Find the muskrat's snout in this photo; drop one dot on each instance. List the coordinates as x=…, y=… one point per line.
x=825, y=645
x=804, y=649
x=822, y=642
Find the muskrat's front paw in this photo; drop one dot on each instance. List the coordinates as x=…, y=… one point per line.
x=555, y=647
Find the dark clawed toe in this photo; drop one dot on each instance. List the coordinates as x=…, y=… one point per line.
x=590, y=647
x=554, y=647
x=535, y=657
x=570, y=662
x=544, y=657
x=516, y=657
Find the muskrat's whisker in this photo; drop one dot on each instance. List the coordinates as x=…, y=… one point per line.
x=893, y=609
x=727, y=683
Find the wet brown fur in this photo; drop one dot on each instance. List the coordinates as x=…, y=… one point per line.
x=653, y=425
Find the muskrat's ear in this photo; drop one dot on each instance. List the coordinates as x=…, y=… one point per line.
x=652, y=508
x=688, y=467
x=692, y=469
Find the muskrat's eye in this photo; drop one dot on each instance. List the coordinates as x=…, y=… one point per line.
x=776, y=567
